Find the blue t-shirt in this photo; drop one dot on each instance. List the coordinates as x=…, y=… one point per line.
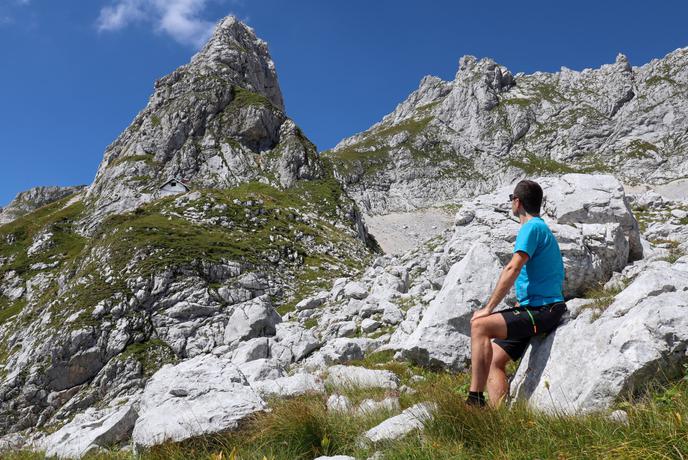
x=541, y=278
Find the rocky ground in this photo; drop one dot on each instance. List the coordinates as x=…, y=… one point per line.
x=30, y=200
x=399, y=232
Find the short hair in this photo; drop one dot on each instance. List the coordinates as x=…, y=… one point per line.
x=530, y=194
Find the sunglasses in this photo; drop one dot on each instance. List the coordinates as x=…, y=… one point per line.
x=512, y=197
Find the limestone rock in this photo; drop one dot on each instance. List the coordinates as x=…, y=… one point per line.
x=200, y=396
x=355, y=290
x=91, y=430
x=216, y=122
x=644, y=330
x=30, y=200
x=254, y=318
x=368, y=406
x=287, y=387
x=354, y=376
x=450, y=140
x=338, y=403
x=443, y=335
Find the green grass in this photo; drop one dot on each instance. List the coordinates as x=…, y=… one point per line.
x=657, y=79
x=675, y=251
x=532, y=164
x=640, y=149
x=147, y=158
x=9, y=309
x=547, y=91
x=601, y=298
x=371, y=155
x=310, y=323
x=158, y=238
x=246, y=98
x=155, y=121
x=152, y=354
x=55, y=218
x=517, y=101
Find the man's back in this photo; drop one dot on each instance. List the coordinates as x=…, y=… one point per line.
x=541, y=278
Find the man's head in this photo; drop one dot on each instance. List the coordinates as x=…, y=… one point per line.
x=527, y=198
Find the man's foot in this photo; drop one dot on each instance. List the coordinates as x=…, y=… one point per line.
x=476, y=399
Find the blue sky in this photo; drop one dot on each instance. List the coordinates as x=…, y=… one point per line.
x=76, y=72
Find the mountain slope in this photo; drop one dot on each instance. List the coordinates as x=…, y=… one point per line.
x=32, y=199
x=101, y=288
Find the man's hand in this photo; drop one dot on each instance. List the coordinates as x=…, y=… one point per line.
x=481, y=313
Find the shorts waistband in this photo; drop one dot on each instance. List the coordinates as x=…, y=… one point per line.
x=547, y=305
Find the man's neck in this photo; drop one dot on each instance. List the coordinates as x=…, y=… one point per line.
x=525, y=217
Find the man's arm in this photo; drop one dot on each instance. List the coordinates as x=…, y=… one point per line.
x=506, y=280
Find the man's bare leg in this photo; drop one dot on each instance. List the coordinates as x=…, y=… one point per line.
x=497, y=383
x=482, y=330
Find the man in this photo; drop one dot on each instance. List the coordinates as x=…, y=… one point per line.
x=538, y=270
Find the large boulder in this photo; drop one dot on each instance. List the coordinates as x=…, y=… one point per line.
x=442, y=339
x=255, y=318
x=588, y=363
x=591, y=199
x=203, y=395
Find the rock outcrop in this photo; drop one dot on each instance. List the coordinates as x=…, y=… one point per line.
x=32, y=199
x=202, y=395
x=584, y=212
x=641, y=336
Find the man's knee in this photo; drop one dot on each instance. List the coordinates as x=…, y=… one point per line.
x=478, y=327
x=483, y=327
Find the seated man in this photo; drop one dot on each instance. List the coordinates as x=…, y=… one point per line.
x=538, y=271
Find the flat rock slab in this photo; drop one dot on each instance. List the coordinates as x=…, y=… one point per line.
x=287, y=387
x=354, y=376
x=203, y=395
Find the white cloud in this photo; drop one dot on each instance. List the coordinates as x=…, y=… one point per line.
x=181, y=19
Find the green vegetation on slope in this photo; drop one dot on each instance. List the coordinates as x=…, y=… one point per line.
x=254, y=224
x=372, y=154
x=533, y=164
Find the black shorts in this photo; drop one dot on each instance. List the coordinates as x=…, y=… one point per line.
x=520, y=327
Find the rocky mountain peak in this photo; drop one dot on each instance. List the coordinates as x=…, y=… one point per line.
x=216, y=122
x=237, y=54
x=622, y=60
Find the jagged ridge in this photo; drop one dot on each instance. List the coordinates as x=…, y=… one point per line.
x=454, y=139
